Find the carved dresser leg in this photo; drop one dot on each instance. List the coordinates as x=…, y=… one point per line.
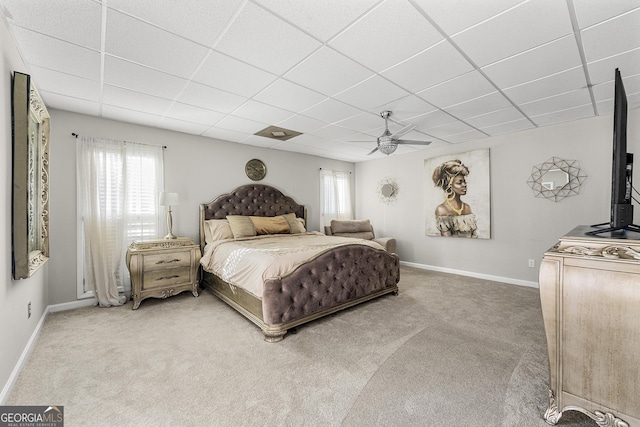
x=552, y=415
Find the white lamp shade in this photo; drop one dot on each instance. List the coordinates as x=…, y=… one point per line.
x=169, y=199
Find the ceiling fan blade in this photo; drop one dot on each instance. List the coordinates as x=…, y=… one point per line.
x=372, y=151
x=412, y=142
x=403, y=131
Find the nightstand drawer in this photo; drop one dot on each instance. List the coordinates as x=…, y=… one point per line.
x=167, y=260
x=166, y=277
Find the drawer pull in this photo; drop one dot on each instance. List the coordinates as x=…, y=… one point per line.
x=167, y=262
x=168, y=277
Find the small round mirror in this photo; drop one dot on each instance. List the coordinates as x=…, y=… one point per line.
x=554, y=179
x=387, y=190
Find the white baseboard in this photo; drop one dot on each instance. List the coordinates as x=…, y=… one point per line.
x=472, y=274
x=23, y=359
x=71, y=305
x=34, y=336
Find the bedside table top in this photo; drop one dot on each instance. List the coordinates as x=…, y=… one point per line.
x=162, y=244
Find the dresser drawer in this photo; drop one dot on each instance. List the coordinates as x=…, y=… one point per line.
x=167, y=260
x=166, y=277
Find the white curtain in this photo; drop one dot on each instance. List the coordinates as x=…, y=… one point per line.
x=118, y=189
x=335, y=196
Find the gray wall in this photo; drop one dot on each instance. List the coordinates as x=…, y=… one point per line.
x=15, y=327
x=523, y=227
x=195, y=167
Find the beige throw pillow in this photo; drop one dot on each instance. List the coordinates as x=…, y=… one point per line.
x=217, y=229
x=270, y=225
x=296, y=225
x=241, y=226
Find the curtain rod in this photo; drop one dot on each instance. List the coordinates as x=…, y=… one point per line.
x=131, y=142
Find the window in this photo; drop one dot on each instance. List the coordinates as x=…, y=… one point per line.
x=335, y=196
x=118, y=188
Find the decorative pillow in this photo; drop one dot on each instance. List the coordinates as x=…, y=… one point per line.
x=217, y=229
x=350, y=226
x=296, y=225
x=241, y=226
x=270, y=225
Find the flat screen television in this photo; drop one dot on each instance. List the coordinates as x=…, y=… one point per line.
x=622, y=169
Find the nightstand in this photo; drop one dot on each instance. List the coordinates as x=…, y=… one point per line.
x=163, y=268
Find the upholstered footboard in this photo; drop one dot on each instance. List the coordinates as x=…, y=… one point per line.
x=334, y=280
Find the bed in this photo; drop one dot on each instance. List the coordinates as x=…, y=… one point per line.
x=315, y=275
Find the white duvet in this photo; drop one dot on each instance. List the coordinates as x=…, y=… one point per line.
x=248, y=262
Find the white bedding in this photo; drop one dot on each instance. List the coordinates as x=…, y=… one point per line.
x=247, y=262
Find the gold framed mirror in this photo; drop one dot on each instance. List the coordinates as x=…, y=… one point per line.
x=30, y=191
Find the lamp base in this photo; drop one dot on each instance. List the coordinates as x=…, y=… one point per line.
x=170, y=236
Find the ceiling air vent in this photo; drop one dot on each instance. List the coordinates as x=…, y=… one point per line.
x=281, y=134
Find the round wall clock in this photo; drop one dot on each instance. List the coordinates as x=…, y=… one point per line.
x=255, y=169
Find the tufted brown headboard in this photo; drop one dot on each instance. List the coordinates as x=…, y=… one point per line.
x=252, y=199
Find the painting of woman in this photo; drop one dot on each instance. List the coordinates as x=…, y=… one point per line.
x=457, y=195
x=454, y=217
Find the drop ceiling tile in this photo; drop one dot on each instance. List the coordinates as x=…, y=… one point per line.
x=200, y=21
x=570, y=114
x=67, y=103
x=126, y=115
x=128, y=75
x=556, y=84
x=330, y=110
x=289, y=96
x=182, y=126
x=328, y=72
x=190, y=113
x=565, y=101
x=135, y=101
x=435, y=65
x=69, y=85
x=239, y=124
x=448, y=129
x=494, y=118
x=229, y=74
x=301, y=123
x=612, y=37
x=266, y=113
x=551, y=58
x=210, y=98
x=82, y=19
x=492, y=102
x=590, y=12
x=508, y=127
x=448, y=16
x=526, y=26
x=333, y=132
x=606, y=106
x=260, y=141
x=153, y=47
x=469, y=135
x=266, y=41
x=431, y=120
x=226, y=135
x=405, y=108
x=604, y=70
x=302, y=149
x=372, y=93
x=362, y=122
x=47, y=52
x=320, y=19
x=463, y=88
x=369, y=42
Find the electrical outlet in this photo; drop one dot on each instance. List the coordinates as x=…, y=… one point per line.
x=532, y=263
x=29, y=310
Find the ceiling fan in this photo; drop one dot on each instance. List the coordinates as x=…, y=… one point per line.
x=388, y=142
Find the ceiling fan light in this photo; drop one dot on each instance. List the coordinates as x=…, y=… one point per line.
x=387, y=147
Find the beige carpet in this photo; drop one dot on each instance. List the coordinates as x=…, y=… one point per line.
x=447, y=351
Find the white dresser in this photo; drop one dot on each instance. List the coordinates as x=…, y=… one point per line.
x=590, y=296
